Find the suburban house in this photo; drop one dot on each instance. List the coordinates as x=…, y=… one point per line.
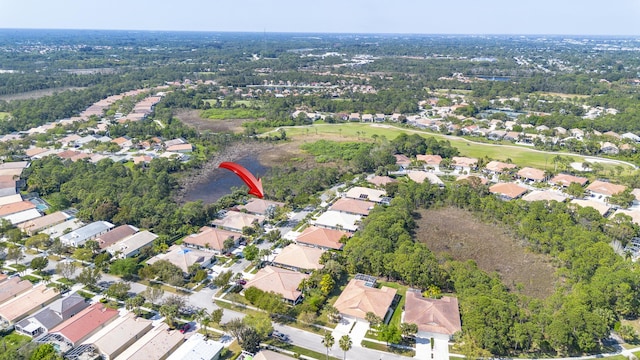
x=180, y=148
x=13, y=287
x=631, y=136
x=322, y=238
x=633, y=214
x=8, y=185
x=197, y=347
x=546, y=195
x=464, y=163
x=380, y=181
x=123, y=142
x=27, y=303
x=532, y=174
x=483, y=180
x=271, y=355
x=183, y=257
x=36, y=225
x=81, y=235
x=158, y=343
x=599, y=206
x=609, y=148
x=430, y=161
x=236, y=221
x=58, y=230
x=508, y=191
x=338, y=221
x=75, y=330
x=565, y=180
x=605, y=189
x=19, y=212
x=363, y=193
x=131, y=246
x=402, y=161
x=260, y=206
x=211, y=239
x=352, y=206
x=46, y=319
x=281, y=281
x=421, y=176
x=115, y=235
x=498, y=167
x=121, y=333
x=434, y=317
x=361, y=296
x=299, y=258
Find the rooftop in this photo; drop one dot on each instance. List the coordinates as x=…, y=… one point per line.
x=464, y=161
x=132, y=243
x=509, y=190
x=16, y=207
x=381, y=180
x=155, y=344
x=601, y=207
x=12, y=287
x=85, y=323
x=37, y=224
x=281, y=281
x=182, y=257
x=259, y=206
x=429, y=159
x=28, y=301
x=301, y=257
x=363, y=193
x=566, y=180
x=80, y=235
x=117, y=339
x=209, y=237
x=197, y=348
x=545, y=195
x=353, y=206
x=532, y=174
x=326, y=238
x=357, y=299
x=116, y=234
x=236, y=220
x=605, y=188
x=440, y=316
x=498, y=166
x=338, y=220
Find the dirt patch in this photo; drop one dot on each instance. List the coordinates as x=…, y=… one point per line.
x=456, y=232
x=192, y=118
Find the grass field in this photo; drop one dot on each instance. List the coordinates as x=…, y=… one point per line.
x=233, y=113
x=456, y=232
x=4, y=115
x=520, y=155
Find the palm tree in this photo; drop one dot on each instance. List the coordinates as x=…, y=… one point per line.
x=328, y=342
x=345, y=345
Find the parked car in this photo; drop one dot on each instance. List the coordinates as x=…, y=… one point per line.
x=280, y=336
x=241, y=282
x=184, y=328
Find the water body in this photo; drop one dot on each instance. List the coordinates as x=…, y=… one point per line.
x=220, y=181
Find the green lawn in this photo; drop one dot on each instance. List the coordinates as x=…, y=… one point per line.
x=397, y=313
x=521, y=155
x=14, y=340
x=233, y=113
x=4, y=115
x=383, y=347
x=299, y=350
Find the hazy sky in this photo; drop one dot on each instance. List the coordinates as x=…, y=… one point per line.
x=589, y=17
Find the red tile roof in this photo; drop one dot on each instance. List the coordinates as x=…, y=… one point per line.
x=509, y=190
x=430, y=159
x=352, y=206
x=605, y=188
x=327, y=238
x=566, y=180
x=16, y=207
x=210, y=237
x=440, y=316
x=85, y=322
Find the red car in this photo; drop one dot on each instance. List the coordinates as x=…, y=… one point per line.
x=241, y=282
x=185, y=328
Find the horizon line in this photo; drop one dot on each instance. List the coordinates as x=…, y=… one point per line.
x=326, y=32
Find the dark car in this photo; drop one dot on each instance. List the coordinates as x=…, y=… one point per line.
x=280, y=336
x=241, y=282
x=185, y=328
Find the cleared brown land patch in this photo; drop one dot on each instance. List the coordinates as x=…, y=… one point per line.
x=456, y=232
x=192, y=118
x=36, y=93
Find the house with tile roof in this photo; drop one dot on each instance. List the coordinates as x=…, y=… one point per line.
x=198, y=347
x=183, y=257
x=430, y=161
x=599, y=206
x=116, y=234
x=322, y=237
x=359, y=297
x=49, y=317
x=605, y=189
x=260, y=206
x=508, y=191
x=27, y=303
x=13, y=287
x=462, y=163
x=532, y=174
x=433, y=316
x=498, y=167
x=381, y=181
x=78, y=328
x=352, y=206
x=565, y=180
x=544, y=195
x=36, y=225
x=281, y=281
x=299, y=258
x=338, y=221
x=236, y=221
x=363, y=193
x=211, y=239
x=402, y=161
x=422, y=176
x=271, y=355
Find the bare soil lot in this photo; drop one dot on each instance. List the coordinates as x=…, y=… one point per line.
x=192, y=118
x=456, y=232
